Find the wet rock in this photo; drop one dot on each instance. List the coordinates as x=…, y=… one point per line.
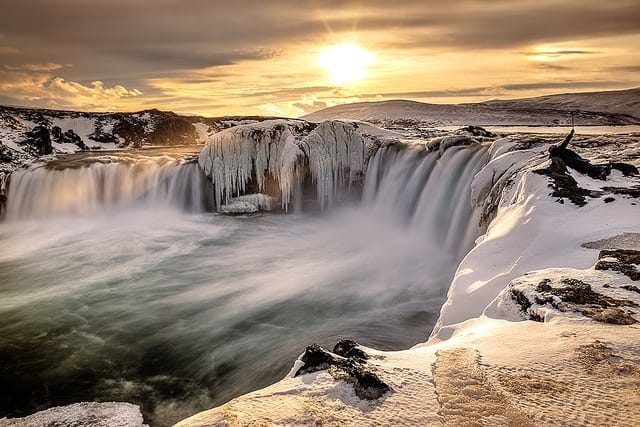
x=352, y=369
x=625, y=261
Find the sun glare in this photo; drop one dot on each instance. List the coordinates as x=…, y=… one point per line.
x=345, y=62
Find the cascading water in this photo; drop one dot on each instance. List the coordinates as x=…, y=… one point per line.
x=428, y=191
x=96, y=187
x=178, y=313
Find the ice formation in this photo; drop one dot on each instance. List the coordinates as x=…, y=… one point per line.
x=334, y=152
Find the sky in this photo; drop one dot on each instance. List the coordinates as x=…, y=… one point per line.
x=277, y=57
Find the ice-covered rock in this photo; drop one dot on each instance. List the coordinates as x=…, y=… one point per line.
x=334, y=154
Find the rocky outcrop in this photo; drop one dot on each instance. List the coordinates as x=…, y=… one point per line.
x=625, y=261
x=349, y=366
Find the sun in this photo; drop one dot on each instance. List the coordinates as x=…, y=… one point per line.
x=345, y=62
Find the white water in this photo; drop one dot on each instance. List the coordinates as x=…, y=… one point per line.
x=128, y=298
x=89, y=189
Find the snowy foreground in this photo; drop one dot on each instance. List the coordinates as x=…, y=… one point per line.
x=536, y=329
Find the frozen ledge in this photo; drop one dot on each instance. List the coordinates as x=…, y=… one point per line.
x=536, y=330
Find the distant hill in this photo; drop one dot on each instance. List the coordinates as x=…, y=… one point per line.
x=619, y=107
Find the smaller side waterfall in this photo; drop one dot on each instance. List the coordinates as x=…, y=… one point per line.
x=42, y=192
x=428, y=191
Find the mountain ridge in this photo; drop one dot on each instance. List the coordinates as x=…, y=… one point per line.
x=604, y=108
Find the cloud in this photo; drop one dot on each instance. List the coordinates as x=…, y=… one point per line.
x=36, y=82
x=272, y=109
x=552, y=67
x=51, y=66
x=8, y=50
x=559, y=52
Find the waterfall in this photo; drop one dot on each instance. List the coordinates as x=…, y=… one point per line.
x=429, y=191
x=423, y=186
x=40, y=191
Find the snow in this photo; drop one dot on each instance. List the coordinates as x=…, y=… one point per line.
x=203, y=131
x=484, y=363
x=82, y=126
x=85, y=414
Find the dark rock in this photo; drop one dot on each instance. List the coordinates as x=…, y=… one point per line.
x=625, y=168
x=631, y=288
x=576, y=295
x=525, y=305
x=573, y=160
x=609, y=199
x=578, y=292
x=349, y=349
x=625, y=262
x=477, y=131
x=316, y=358
x=173, y=131
x=40, y=138
x=366, y=383
x=131, y=131
x=612, y=315
x=563, y=184
x=633, y=192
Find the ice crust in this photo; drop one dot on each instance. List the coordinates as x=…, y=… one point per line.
x=334, y=152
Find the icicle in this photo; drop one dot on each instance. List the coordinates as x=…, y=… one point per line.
x=335, y=152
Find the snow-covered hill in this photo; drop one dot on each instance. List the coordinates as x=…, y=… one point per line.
x=27, y=133
x=593, y=109
x=615, y=101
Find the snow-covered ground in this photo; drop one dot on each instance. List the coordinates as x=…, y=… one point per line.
x=539, y=327
x=85, y=414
